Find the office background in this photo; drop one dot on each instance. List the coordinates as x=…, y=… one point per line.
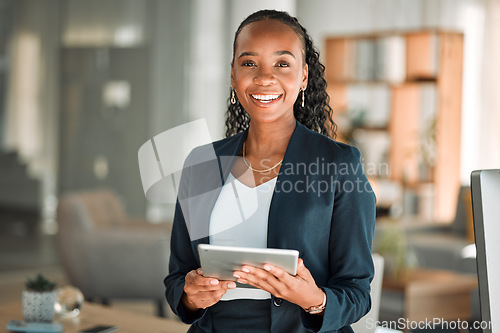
x=83, y=84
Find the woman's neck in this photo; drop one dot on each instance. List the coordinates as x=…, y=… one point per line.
x=265, y=139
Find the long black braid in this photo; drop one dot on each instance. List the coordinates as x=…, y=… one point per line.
x=316, y=113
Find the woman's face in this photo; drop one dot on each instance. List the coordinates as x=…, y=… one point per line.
x=268, y=70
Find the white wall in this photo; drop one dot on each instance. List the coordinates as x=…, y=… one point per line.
x=208, y=67
x=240, y=9
x=489, y=148
x=170, y=27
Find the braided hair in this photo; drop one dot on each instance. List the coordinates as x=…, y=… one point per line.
x=316, y=113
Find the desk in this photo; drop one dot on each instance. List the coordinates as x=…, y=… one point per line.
x=430, y=293
x=95, y=314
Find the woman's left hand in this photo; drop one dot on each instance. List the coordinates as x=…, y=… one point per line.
x=300, y=289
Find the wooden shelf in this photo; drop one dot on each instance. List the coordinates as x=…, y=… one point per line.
x=423, y=103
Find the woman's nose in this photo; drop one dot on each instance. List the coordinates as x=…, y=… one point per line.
x=264, y=77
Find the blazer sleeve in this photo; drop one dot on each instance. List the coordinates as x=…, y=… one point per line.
x=182, y=259
x=350, y=244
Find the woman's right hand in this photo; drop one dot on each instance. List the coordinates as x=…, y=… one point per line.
x=201, y=292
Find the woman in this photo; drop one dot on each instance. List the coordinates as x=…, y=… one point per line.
x=311, y=195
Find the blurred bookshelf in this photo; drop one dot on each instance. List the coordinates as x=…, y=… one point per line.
x=397, y=97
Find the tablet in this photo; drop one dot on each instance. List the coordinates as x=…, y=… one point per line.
x=221, y=261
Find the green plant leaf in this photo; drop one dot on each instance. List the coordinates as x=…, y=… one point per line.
x=40, y=284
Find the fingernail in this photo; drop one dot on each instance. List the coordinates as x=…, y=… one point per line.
x=231, y=285
x=214, y=282
x=236, y=276
x=267, y=268
x=246, y=270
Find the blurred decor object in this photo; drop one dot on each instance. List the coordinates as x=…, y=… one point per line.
x=108, y=255
x=428, y=151
x=69, y=301
x=426, y=201
x=391, y=243
x=39, y=298
x=116, y=94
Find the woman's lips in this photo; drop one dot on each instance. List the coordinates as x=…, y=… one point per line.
x=265, y=100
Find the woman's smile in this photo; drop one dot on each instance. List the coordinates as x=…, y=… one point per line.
x=265, y=100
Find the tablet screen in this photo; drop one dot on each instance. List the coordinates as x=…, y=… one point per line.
x=221, y=261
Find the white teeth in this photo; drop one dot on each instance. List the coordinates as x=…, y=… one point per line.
x=266, y=98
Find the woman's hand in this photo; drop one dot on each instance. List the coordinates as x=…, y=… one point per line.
x=300, y=289
x=201, y=292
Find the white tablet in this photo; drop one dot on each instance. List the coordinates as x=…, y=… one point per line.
x=221, y=261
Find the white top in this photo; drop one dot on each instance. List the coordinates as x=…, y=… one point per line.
x=239, y=218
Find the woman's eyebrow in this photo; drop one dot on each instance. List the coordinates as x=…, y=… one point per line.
x=284, y=52
x=247, y=54
x=255, y=54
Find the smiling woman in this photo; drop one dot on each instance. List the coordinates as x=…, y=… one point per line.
x=278, y=115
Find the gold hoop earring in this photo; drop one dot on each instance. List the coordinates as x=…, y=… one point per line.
x=233, y=97
x=303, y=97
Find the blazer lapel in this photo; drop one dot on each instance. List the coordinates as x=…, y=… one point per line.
x=280, y=225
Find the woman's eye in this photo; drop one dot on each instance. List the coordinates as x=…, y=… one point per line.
x=248, y=64
x=282, y=64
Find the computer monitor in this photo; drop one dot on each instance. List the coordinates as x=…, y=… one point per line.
x=485, y=186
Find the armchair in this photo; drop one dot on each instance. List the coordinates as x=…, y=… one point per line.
x=108, y=255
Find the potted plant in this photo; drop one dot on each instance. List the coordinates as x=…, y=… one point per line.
x=390, y=242
x=39, y=298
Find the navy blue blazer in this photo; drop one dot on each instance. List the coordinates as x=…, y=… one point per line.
x=322, y=206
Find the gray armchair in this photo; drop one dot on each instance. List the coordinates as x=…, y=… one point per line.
x=109, y=256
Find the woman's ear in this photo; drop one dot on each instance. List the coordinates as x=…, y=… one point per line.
x=305, y=76
x=232, y=75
